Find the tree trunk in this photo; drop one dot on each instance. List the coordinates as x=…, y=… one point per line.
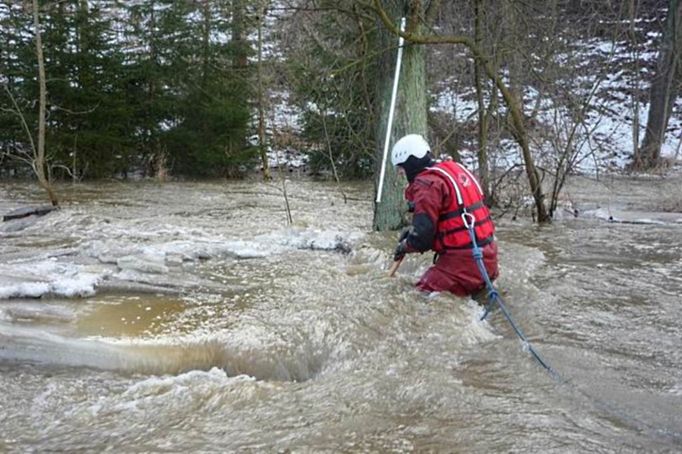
x=483, y=166
x=513, y=43
x=663, y=90
x=519, y=132
x=39, y=161
x=241, y=59
x=410, y=110
x=153, y=138
x=206, y=43
x=261, y=97
x=632, y=10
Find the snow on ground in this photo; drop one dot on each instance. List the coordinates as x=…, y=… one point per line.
x=605, y=140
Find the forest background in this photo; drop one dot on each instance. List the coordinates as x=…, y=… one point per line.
x=525, y=92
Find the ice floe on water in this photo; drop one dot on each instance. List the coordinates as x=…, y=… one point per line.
x=326, y=240
x=36, y=278
x=633, y=217
x=138, y=257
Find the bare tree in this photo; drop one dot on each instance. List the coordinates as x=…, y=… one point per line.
x=483, y=166
x=663, y=90
x=36, y=156
x=262, y=9
x=517, y=126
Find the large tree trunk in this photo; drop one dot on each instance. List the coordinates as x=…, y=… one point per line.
x=39, y=161
x=663, y=90
x=261, y=95
x=410, y=111
x=241, y=57
x=483, y=166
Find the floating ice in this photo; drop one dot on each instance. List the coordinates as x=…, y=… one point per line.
x=326, y=240
x=634, y=217
x=145, y=263
x=134, y=261
x=35, y=279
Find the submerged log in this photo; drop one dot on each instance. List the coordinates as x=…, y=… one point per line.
x=28, y=211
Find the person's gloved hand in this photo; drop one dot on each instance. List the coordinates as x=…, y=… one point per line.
x=400, y=251
x=404, y=234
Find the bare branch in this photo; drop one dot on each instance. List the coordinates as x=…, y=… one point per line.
x=17, y=111
x=518, y=129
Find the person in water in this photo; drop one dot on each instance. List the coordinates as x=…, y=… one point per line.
x=439, y=192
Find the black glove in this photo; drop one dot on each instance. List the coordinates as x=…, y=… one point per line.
x=400, y=251
x=404, y=234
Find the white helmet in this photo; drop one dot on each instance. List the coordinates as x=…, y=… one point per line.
x=409, y=145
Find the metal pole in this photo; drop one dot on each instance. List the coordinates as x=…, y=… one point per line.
x=391, y=110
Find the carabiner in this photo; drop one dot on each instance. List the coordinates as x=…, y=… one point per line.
x=469, y=220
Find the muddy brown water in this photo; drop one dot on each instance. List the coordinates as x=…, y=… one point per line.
x=190, y=317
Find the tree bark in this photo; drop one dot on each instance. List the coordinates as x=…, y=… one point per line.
x=261, y=96
x=241, y=59
x=483, y=166
x=410, y=116
x=663, y=90
x=632, y=7
x=512, y=43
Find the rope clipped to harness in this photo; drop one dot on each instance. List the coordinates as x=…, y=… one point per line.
x=495, y=298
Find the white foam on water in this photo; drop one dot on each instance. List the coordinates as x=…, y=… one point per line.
x=676, y=390
x=210, y=389
x=477, y=331
x=464, y=316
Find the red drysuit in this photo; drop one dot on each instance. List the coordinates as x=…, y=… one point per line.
x=439, y=195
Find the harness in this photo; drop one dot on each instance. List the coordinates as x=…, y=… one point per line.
x=451, y=230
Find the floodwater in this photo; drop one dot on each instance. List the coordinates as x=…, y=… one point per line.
x=191, y=317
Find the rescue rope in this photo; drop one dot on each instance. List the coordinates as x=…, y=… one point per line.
x=495, y=298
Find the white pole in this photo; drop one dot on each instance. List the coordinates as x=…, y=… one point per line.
x=389, y=126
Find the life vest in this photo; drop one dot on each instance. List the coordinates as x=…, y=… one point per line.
x=465, y=195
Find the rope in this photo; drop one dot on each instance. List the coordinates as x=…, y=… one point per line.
x=495, y=298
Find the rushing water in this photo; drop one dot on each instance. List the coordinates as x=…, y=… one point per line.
x=190, y=317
